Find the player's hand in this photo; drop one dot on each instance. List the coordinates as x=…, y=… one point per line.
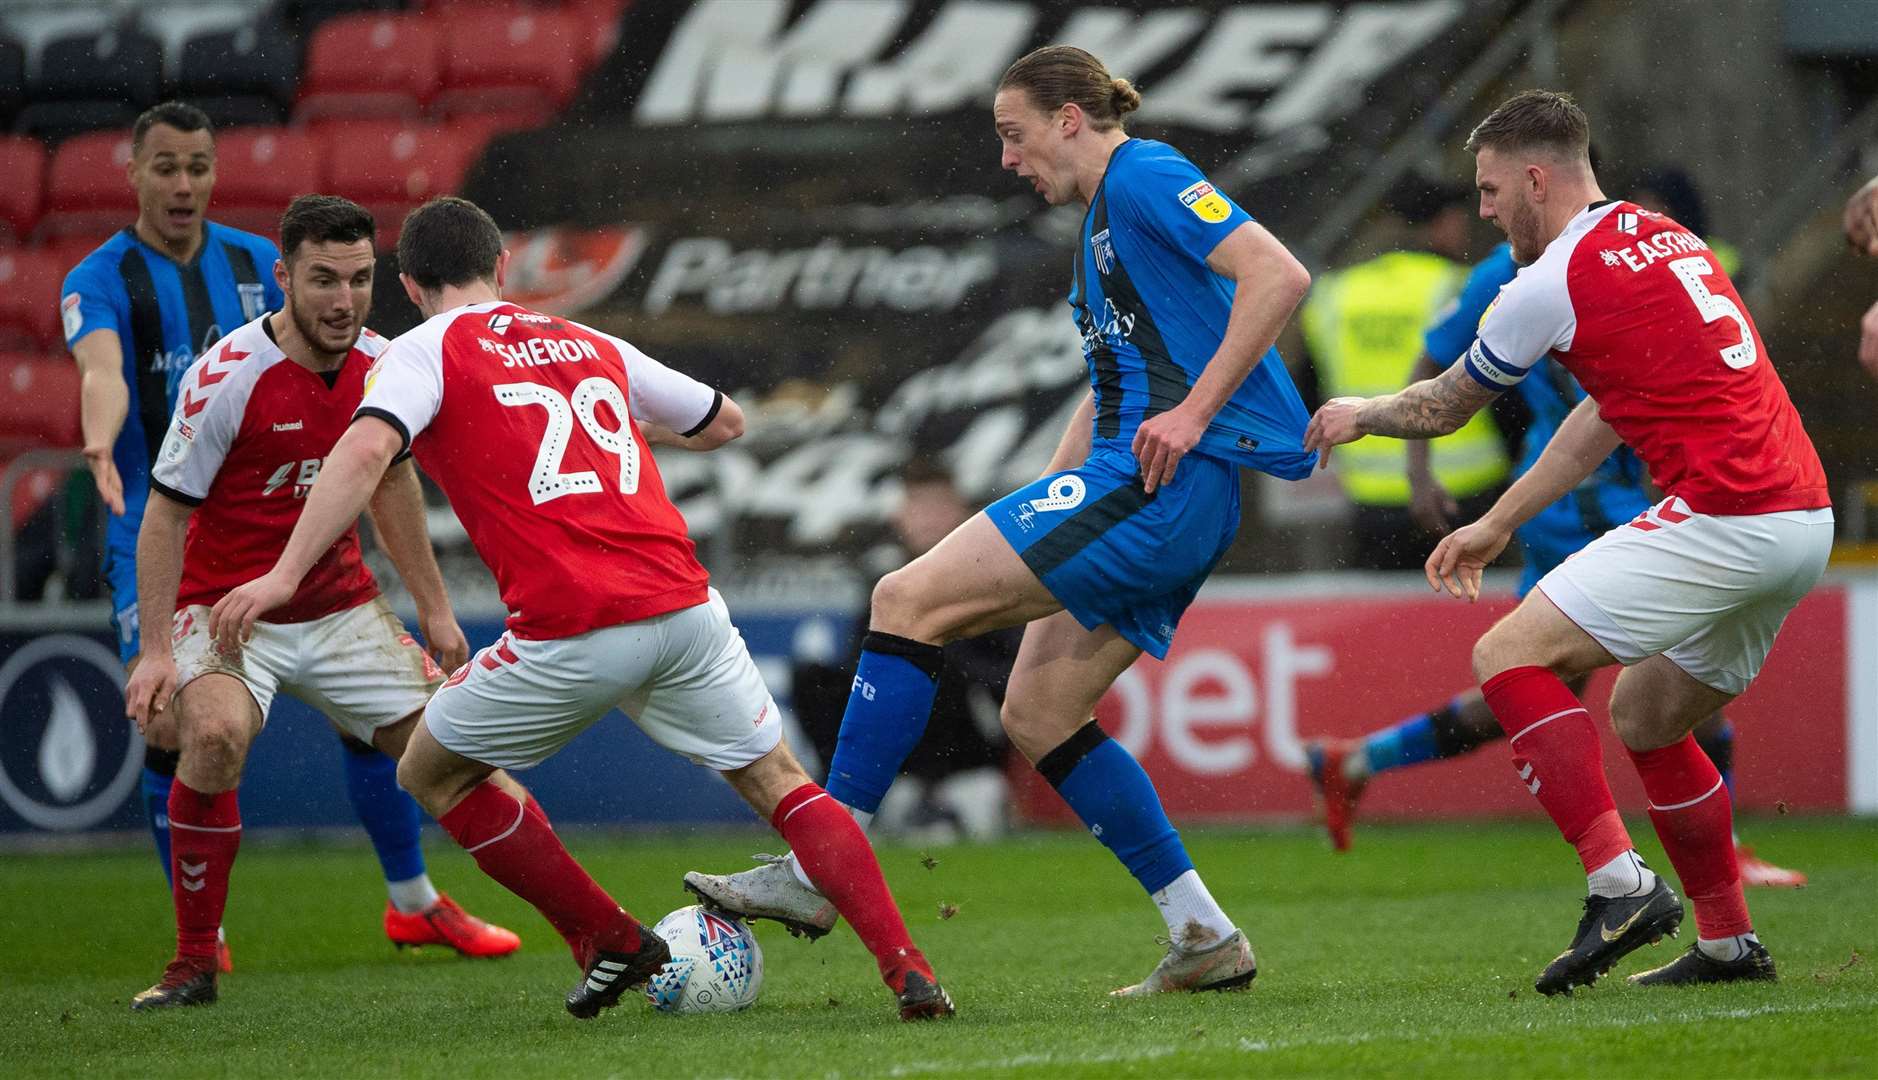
x=231, y=620
x=1861, y=219
x=1430, y=504
x=1868, y=340
x=1333, y=425
x=152, y=684
x=1461, y=556
x=1160, y=443
x=443, y=639
x=104, y=473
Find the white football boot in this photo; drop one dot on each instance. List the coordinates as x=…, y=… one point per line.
x=770, y=891
x=1226, y=965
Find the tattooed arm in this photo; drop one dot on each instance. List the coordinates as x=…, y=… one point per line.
x=1437, y=406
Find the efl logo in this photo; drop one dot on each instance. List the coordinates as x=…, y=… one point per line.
x=1206, y=203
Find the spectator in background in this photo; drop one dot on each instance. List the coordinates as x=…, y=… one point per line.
x=1861, y=231
x=958, y=789
x=1669, y=189
x=1363, y=329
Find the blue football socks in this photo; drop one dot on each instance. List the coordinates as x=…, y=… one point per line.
x=886, y=716
x=159, y=768
x=391, y=817
x=1112, y=794
x=1410, y=742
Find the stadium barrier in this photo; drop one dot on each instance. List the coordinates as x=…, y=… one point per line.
x=1260, y=666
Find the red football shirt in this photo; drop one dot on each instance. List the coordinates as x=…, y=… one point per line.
x=527, y=422
x=245, y=444
x=1639, y=310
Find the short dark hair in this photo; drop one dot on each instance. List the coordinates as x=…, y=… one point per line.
x=177, y=114
x=449, y=241
x=1535, y=120
x=322, y=219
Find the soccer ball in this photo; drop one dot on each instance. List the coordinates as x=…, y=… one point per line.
x=716, y=964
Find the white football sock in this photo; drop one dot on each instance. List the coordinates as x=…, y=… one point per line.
x=795, y=867
x=1623, y=876
x=1185, y=904
x=412, y=895
x=1727, y=949
x=1356, y=765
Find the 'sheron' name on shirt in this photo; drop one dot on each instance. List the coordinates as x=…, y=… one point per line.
x=538, y=352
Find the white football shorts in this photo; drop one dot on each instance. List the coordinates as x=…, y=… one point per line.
x=358, y=666
x=684, y=677
x=1707, y=592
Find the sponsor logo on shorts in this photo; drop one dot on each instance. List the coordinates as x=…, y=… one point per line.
x=763, y=714
x=1066, y=492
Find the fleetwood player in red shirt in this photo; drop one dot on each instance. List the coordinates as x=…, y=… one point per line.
x=538, y=431
x=257, y=413
x=1688, y=597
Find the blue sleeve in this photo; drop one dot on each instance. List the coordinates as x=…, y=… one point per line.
x=92, y=299
x=1171, y=200
x=265, y=256
x=1454, y=328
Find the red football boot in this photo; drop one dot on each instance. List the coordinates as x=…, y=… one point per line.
x=1758, y=871
x=1324, y=759
x=444, y=923
x=224, y=960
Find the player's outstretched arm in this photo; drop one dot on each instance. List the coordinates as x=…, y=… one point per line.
x=1270, y=282
x=103, y=403
x=1577, y=447
x=346, y=483
x=159, y=577
x=1437, y=406
x=397, y=514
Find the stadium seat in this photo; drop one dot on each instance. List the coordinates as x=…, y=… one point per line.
x=391, y=167
x=29, y=299
x=23, y=163
x=38, y=402
x=510, y=61
x=32, y=489
x=92, y=80
x=174, y=24
x=312, y=13
x=86, y=188
x=241, y=75
x=369, y=66
x=258, y=171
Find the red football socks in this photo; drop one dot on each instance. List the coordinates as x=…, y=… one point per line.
x=519, y=850
x=205, y=833
x=1555, y=750
x=1694, y=818
x=835, y=854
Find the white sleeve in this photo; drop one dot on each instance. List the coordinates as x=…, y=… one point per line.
x=405, y=387
x=668, y=398
x=1532, y=316
x=202, y=429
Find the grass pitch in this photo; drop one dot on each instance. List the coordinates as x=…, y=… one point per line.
x=1413, y=954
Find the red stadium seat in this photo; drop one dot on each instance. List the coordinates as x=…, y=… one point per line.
x=32, y=489
x=86, y=187
x=29, y=299
x=509, y=60
x=258, y=171
x=369, y=66
x=23, y=162
x=38, y=402
x=391, y=167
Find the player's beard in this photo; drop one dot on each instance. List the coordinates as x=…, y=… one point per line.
x=1522, y=231
x=316, y=334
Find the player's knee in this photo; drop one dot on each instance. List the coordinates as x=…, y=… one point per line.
x=1035, y=729
x=417, y=782
x=216, y=746
x=1491, y=655
x=897, y=604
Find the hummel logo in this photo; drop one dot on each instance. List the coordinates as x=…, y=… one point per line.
x=1612, y=935
x=295, y=425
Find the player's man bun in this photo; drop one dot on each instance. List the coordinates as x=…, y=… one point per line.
x=1123, y=97
x=1056, y=75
